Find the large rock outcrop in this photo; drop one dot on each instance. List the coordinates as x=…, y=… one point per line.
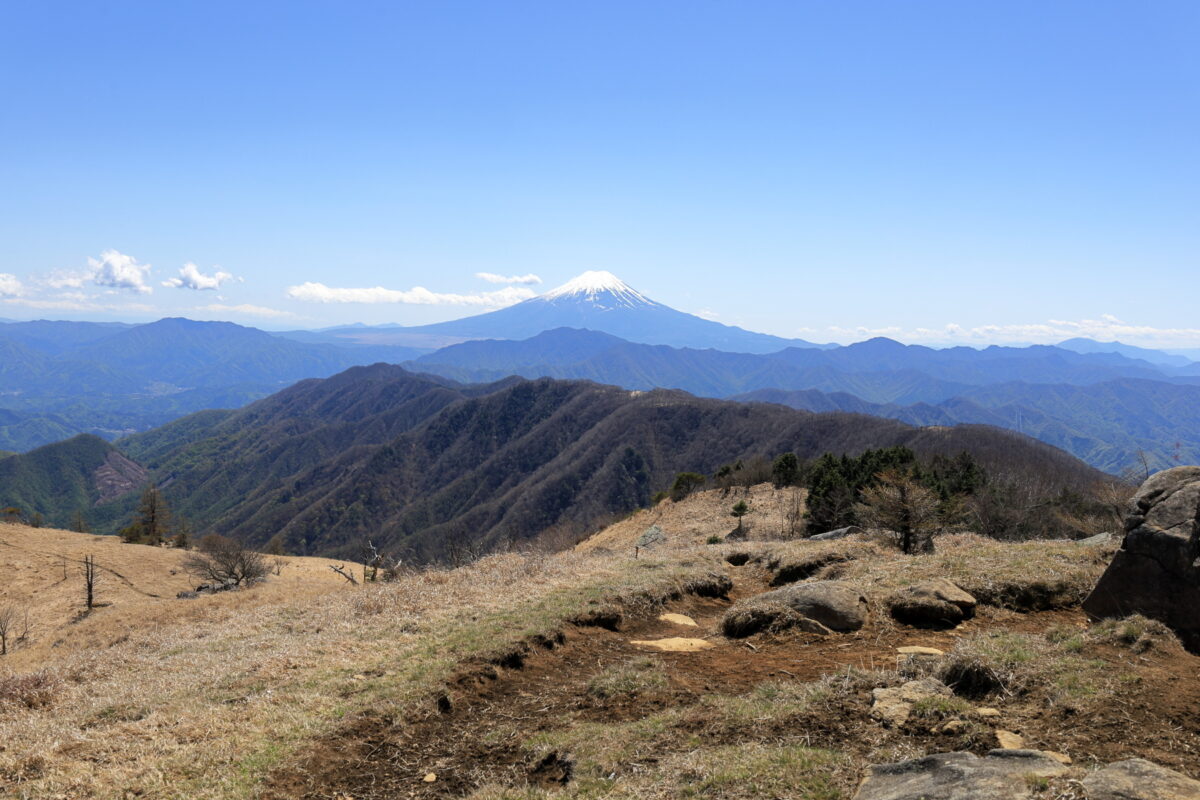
x=1156, y=572
x=817, y=607
x=999, y=775
x=931, y=604
x=1138, y=779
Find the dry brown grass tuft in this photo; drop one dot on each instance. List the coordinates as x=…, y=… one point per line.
x=1136, y=632
x=29, y=690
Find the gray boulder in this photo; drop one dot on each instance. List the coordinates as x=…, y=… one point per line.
x=831, y=603
x=931, y=604
x=1138, y=779
x=840, y=533
x=835, y=605
x=1156, y=572
x=1000, y=775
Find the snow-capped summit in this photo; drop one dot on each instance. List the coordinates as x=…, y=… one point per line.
x=596, y=301
x=600, y=288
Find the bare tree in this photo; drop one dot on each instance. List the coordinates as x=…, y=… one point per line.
x=8, y=622
x=793, y=512
x=225, y=561
x=345, y=573
x=89, y=580
x=372, y=561
x=898, y=503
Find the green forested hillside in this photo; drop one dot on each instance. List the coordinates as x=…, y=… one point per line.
x=63, y=479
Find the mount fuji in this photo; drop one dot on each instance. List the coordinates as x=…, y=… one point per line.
x=598, y=301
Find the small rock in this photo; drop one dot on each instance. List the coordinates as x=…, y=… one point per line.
x=954, y=727
x=893, y=705
x=430, y=777
x=915, y=650
x=1138, y=779
x=675, y=644
x=987, y=712
x=678, y=619
x=1009, y=740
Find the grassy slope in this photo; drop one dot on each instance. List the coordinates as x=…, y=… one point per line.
x=207, y=698
x=201, y=698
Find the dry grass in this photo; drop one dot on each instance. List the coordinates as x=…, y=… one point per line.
x=201, y=698
x=702, y=515
x=1048, y=668
x=136, y=588
x=727, y=746
x=1023, y=576
x=1136, y=632
x=636, y=676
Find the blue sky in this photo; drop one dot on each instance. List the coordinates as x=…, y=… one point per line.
x=932, y=171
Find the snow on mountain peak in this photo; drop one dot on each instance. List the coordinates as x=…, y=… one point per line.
x=600, y=287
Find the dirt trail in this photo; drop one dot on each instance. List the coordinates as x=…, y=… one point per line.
x=475, y=733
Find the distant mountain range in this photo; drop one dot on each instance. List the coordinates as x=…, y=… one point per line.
x=58, y=379
x=1104, y=407
x=1109, y=403
x=421, y=464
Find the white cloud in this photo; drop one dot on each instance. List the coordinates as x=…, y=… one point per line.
x=708, y=314
x=190, y=277
x=418, y=295
x=10, y=286
x=75, y=301
x=523, y=280
x=65, y=280
x=119, y=271
x=1107, y=328
x=246, y=308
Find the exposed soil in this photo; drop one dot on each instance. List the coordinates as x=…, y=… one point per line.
x=474, y=733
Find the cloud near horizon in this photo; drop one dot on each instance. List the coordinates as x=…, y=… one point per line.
x=10, y=285
x=1105, y=329
x=311, y=292
x=248, y=309
x=190, y=277
x=522, y=280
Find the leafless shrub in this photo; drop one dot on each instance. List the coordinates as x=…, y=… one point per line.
x=223, y=560
x=10, y=619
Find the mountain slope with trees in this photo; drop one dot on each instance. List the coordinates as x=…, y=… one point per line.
x=424, y=466
x=1103, y=407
